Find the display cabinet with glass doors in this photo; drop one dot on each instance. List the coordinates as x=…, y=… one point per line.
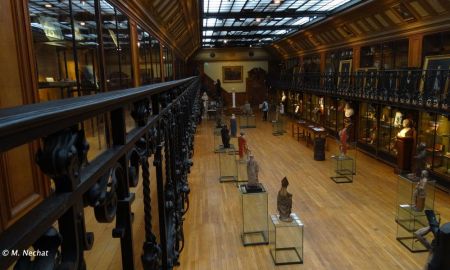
x=390, y=124
x=330, y=114
x=368, y=126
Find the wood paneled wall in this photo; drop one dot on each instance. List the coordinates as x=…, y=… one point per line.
x=22, y=185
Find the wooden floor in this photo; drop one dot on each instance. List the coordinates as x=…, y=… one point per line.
x=347, y=226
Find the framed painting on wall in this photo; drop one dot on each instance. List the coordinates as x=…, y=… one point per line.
x=345, y=69
x=435, y=80
x=232, y=74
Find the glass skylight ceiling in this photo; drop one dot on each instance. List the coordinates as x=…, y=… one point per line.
x=261, y=22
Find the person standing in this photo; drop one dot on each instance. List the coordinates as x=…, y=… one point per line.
x=265, y=109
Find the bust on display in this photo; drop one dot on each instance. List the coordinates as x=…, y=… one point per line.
x=252, y=171
x=233, y=126
x=406, y=131
x=225, y=136
x=420, y=193
x=242, y=143
x=348, y=111
x=284, y=201
x=283, y=97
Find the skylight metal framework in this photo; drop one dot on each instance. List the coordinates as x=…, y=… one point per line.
x=261, y=22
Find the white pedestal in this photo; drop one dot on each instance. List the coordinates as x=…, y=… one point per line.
x=233, y=96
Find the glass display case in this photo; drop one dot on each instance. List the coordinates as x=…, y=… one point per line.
x=330, y=113
x=255, y=227
x=386, y=55
x=340, y=114
x=427, y=131
x=241, y=170
x=306, y=112
x=247, y=121
x=217, y=140
x=407, y=202
x=343, y=168
x=410, y=210
x=290, y=103
x=391, y=119
x=228, y=166
x=278, y=126
x=286, y=240
x=442, y=141
x=317, y=109
x=368, y=126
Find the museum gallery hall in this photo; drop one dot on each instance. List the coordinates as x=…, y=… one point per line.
x=225, y=134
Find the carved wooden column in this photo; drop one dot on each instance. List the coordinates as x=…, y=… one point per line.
x=415, y=50
x=323, y=55
x=356, y=57
x=22, y=185
x=135, y=63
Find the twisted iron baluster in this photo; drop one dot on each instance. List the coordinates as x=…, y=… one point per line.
x=152, y=252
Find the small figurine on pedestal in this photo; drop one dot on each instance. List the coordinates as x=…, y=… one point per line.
x=420, y=192
x=281, y=108
x=225, y=136
x=242, y=143
x=284, y=201
x=252, y=172
x=205, y=99
x=233, y=126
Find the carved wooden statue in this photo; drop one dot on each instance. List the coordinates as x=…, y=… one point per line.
x=284, y=201
x=252, y=171
x=225, y=136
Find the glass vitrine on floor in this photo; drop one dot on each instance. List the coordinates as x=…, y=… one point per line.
x=343, y=166
x=255, y=227
x=409, y=202
x=228, y=166
x=242, y=170
x=286, y=240
x=217, y=140
x=247, y=121
x=278, y=127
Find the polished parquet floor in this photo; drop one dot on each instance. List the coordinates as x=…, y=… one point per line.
x=347, y=226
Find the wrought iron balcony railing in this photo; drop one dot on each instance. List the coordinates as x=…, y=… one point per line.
x=165, y=115
x=428, y=88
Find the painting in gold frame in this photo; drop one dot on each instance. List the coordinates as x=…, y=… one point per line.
x=345, y=67
x=232, y=74
x=433, y=64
